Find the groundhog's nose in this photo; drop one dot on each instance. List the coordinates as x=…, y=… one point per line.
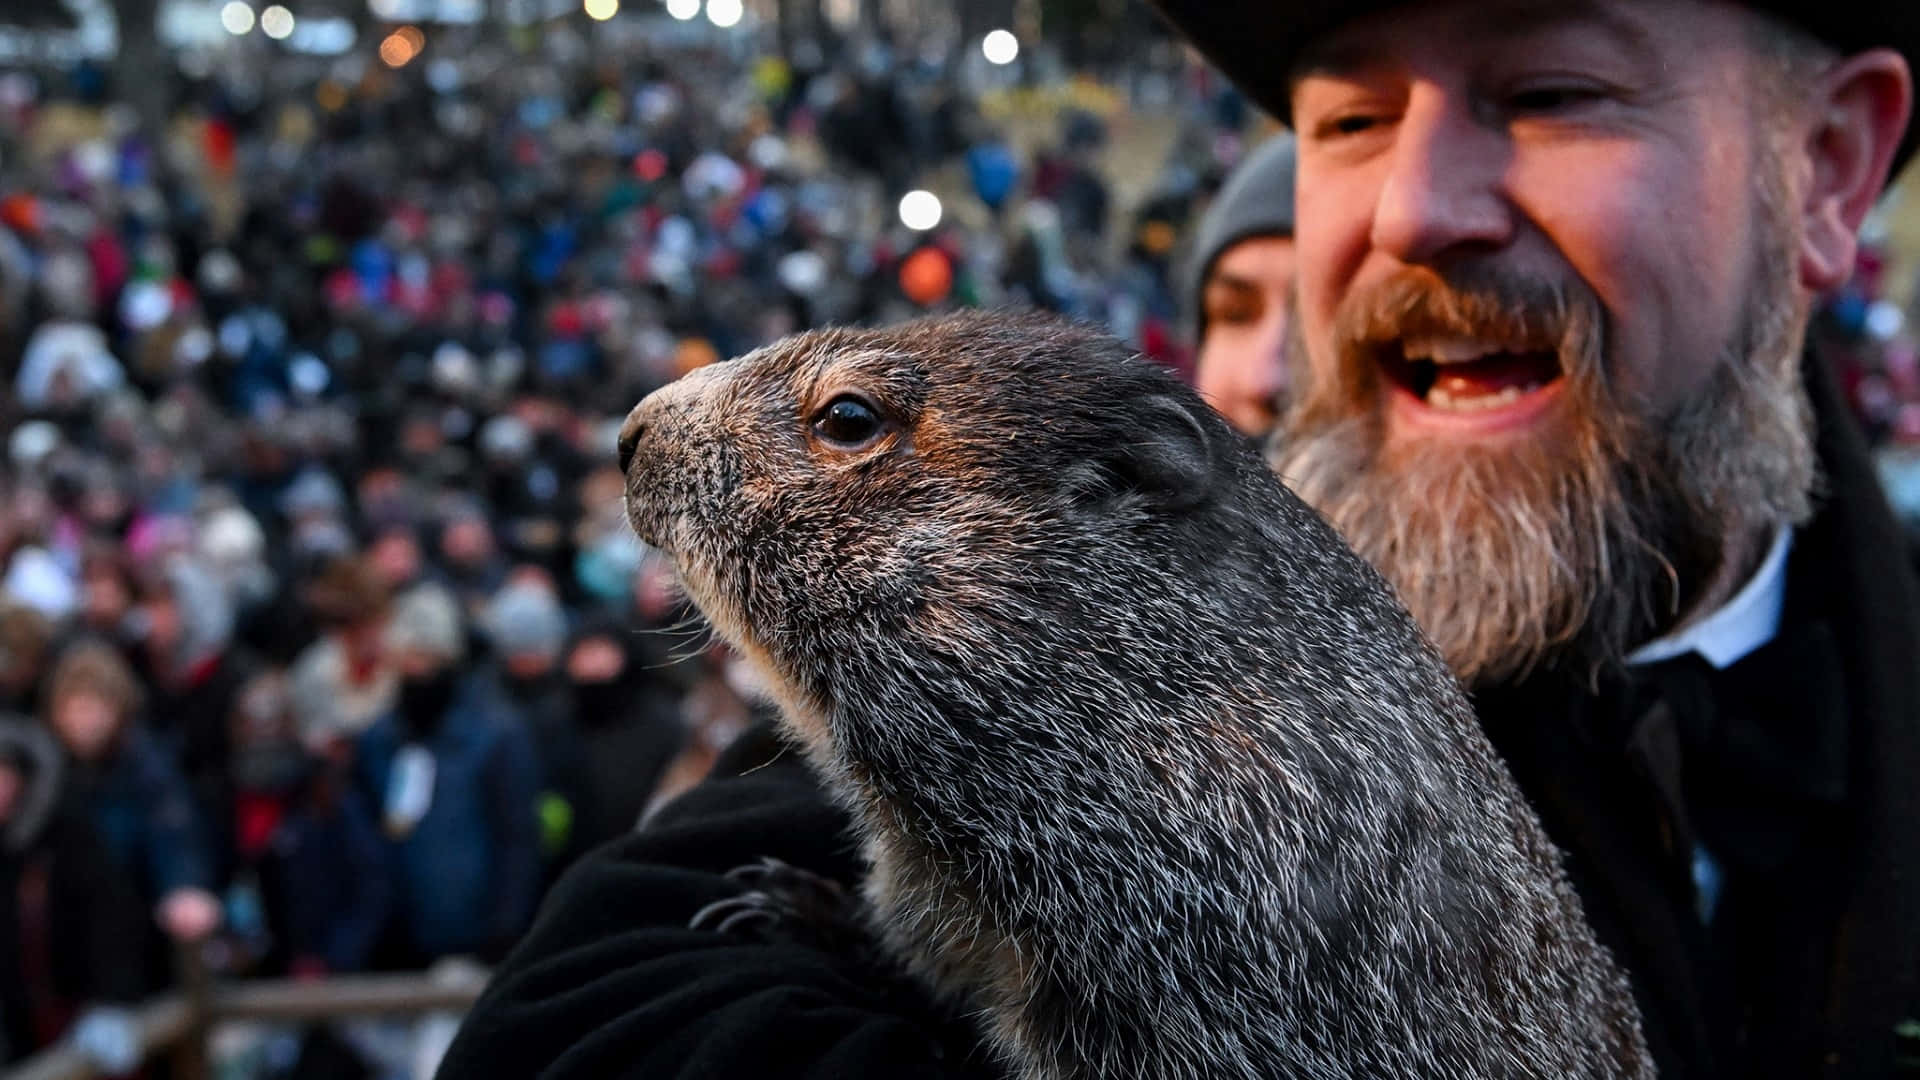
x=630, y=437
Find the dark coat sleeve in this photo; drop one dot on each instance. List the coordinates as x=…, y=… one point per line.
x=95, y=897
x=512, y=780
x=175, y=837
x=351, y=934
x=611, y=983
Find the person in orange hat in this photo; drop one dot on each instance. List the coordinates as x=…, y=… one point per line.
x=1555, y=262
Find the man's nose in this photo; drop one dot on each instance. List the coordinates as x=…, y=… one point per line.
x=1445, y=186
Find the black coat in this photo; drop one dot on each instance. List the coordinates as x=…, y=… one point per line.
x=1822, y=962
x=72, y=932
x=1805, y=786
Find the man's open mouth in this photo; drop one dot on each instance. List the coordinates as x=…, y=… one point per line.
x=1467, y=375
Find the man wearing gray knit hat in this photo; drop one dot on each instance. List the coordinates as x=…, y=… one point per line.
x=1240, y=284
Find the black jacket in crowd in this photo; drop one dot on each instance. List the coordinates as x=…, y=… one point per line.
x=72, y=928
x=1802, y=783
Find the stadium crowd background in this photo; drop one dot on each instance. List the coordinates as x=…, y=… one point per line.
x=310, y=395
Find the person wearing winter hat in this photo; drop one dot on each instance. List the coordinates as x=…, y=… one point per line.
x=454, y=773
x=193, y=669
x=1241, y=288
x=343, y=682
x=135, y=795
x=630, y=719
x=527, y=631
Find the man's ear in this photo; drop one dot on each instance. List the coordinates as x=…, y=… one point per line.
x=1171, y=458
x=1860, y=112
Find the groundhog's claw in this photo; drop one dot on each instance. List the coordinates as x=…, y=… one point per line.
x=736, y=914
x=786, y=903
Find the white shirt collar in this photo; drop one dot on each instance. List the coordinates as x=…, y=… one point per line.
x=1739, y=626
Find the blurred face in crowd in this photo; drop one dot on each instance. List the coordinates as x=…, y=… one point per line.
x=104, y=505
x=163, y=623
x=395, y=556
x=1555, y=266
x=418, y=664
x=105, y=598
x=421, y=436
x=382, y=495
x=595, y=660
x=364, y=643
x=85, y=723
x=656, y=589
x=467, y=542
x=527, y=666
x=1247, y=298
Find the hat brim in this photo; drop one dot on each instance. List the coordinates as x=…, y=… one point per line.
x=1256, y=45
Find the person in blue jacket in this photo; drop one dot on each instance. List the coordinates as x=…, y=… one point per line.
x=452, y=770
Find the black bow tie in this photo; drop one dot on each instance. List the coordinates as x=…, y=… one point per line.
x=1746, y=760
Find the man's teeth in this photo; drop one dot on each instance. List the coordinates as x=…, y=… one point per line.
x=1450, y=350
x=1440, y=397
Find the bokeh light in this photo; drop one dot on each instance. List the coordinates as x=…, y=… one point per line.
x=920, y=210
x=277, y=23
x=401, y=46
x=724, y=13
x=1000, y=47
x=237, y=18
x=602, y=10
x=683, y=9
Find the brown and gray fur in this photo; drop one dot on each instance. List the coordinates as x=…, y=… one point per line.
x=1150, y=767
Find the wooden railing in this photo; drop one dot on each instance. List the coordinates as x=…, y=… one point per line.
x=178, y=1023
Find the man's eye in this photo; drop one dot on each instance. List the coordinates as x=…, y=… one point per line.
x=1348, y=124
x=1551, y=99
x=1232, y=310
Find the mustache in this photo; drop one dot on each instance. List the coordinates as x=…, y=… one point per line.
x=1523, y=313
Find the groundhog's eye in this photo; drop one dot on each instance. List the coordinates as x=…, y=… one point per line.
x=848, y=423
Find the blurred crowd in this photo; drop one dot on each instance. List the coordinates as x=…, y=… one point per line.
x=324, y=646
x=1875, y=343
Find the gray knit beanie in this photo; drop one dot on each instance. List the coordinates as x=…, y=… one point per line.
x=526, y=619
x=1256, y=200
x=427, y=618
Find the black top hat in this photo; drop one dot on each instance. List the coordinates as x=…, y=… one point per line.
x=1256, y=44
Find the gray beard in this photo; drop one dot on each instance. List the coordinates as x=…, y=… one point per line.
x=1570, y=550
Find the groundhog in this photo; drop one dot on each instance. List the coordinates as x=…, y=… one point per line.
x=1153, y=772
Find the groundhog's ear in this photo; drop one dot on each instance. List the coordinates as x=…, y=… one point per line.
x=1169, y=456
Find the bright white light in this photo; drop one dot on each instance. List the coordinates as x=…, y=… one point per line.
x=683, y=9
x=236, y=17
x=277, y=23
x=920, y=210
x=724, y=13
x=1000, y=47
x=602, y=10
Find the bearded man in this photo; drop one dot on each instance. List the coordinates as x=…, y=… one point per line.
x=1555, y=263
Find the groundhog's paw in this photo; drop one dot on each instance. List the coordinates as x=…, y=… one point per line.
x=785, y=903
